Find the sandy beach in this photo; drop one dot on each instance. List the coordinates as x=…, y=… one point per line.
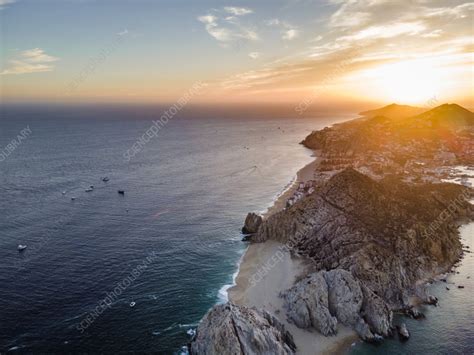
x=268, y=268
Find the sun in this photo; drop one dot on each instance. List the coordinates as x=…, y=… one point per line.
x=412, y=82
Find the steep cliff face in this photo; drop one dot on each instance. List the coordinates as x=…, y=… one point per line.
x=231, y=329
x=387, y=234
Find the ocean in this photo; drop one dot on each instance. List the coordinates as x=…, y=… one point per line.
x=116, y=273
x=136, y=272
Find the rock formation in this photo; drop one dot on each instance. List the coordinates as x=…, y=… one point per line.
x=252, y=223
x=231, y=329
x=323, y=298
x=403, y=333
x=307, y=304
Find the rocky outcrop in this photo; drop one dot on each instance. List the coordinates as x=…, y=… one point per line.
x=252, y=223
x=307, y=305
x=232, y=329
x=323, y=298
x=403, y=333
x=376, y=312
x=345, y=296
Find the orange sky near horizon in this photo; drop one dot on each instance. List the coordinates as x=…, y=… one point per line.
x=351, y=52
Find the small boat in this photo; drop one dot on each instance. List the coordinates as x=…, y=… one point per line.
x=73, y=198
x=121, y=192
x=105, y=179
x=132, y=304
x=64, y=192
x=89, y=190
x=91, y=187
x=21, y=247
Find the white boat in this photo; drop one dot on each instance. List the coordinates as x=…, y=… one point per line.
x=89, y=190
x=21, y=247
x=132, y=304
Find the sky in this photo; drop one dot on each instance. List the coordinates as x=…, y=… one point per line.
x=299, y=52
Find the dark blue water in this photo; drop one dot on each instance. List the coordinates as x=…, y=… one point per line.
x=186, y=196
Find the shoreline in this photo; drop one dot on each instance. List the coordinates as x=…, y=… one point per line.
x=276, y=271
x=261, y=290
x=306, y=173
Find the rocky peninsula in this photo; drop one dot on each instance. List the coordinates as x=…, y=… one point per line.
x=358, y=243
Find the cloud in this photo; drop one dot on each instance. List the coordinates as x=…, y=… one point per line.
x=123, y=33
x=387, y=31
x=254, y=55
x=433, y=34
x=238, y=11
x=30, y=61
x=288, y=32
x=384, y=31
x=346, y=17
x=226, y=28
x=5, y=2
x=460, y=11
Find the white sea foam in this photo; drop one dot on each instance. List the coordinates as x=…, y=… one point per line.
x=223, y=295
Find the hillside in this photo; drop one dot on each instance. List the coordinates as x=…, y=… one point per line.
x=443, y=134
x=394, y=111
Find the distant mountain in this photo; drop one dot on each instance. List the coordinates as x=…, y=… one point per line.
x=448, y=128
x=447, y=115
x=394, y=111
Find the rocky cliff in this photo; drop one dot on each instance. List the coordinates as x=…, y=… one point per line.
x=387, y=234
x=231, y=329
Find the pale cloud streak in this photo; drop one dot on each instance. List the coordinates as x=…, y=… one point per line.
x=6, y=2
x=254, y=55
x=30, y=61
x=238, y=11
x=288, y=31
x=386, y=32
x=225, y=28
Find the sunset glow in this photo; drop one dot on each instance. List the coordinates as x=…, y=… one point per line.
x=285, y=51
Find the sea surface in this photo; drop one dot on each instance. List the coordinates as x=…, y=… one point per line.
x=171, y=244
x=135, y=272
